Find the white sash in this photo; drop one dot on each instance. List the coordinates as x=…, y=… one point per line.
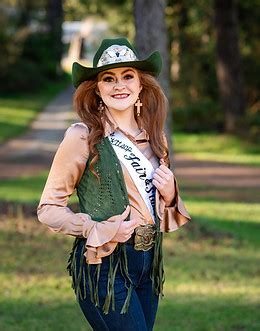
x=138, y=166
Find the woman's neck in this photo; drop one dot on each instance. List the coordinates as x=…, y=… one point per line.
x=125, y=121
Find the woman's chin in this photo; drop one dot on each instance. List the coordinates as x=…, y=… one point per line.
x=120, y=109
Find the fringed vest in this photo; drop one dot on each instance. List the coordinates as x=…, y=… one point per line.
x=102, y=199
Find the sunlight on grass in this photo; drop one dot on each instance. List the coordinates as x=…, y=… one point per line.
x=217, y=147
x=27, y=189
x=211, y=280
x=242, y=219
x=18, y=111
x=23, y=189
x=35, y=289
x=216, y=290
x=225, y=211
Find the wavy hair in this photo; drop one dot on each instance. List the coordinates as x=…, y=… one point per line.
x=153, y=114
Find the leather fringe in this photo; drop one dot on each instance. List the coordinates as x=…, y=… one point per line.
x=78, y=276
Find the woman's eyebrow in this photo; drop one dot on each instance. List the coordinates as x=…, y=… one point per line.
x=127, y=70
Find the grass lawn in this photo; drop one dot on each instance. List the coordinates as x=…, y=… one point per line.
x=17, y=111
x=217, y=147
x=211, y=275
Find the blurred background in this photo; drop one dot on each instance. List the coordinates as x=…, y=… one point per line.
x=211, y=54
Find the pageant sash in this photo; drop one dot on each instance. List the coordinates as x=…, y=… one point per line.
x=138, y=166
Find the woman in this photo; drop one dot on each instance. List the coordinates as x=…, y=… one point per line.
x=117, y=160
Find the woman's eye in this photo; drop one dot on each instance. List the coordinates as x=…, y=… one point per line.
x=108, y=79
x=128, y=76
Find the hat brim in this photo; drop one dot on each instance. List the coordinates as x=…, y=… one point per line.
x=152, y=65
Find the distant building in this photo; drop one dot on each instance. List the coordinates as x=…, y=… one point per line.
x=81, y=40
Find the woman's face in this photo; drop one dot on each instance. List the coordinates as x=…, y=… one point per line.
x=119, y=88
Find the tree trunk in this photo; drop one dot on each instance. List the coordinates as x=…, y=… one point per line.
x=24, y=8
x=151, y=34
x=229, y=70
x=54, y=21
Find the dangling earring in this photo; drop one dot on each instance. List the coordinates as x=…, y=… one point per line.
x=138, y=105
x=101, y=106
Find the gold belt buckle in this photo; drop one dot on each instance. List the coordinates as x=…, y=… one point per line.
x=144, y=237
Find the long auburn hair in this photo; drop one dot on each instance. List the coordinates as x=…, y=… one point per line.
x=153, y=114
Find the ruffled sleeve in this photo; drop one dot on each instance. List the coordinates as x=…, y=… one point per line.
x=173, y=216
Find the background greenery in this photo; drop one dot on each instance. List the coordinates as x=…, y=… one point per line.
x=31, y=47
x=212, y=264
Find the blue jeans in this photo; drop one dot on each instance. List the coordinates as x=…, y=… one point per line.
x=143, y=304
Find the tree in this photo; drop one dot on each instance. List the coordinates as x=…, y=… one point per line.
x=54, y=20
x=151, y=34
x=229, y=70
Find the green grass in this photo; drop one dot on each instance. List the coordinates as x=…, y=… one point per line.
x=26, y=189
x=35, y=291
x=211, y=274
x=241, y=219
x=17, y=111
x=217, y=147
x=23, y=189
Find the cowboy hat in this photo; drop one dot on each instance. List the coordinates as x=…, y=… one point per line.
x=114, y=53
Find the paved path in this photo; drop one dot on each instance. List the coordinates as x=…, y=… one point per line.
x=209, y=179
x=33, y=152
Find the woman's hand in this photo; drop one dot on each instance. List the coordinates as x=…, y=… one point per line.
x=125, y=230
x=163, y=180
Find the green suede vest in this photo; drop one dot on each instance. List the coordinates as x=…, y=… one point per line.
x=102, y=199
x=108, y=196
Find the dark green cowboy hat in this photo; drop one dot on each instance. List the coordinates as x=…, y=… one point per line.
x=114, y=53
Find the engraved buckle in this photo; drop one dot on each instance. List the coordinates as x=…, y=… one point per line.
x=144, y=238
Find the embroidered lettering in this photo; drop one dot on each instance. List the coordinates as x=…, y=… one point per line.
x=131, y=157
x=141, y=171
x=118, y=143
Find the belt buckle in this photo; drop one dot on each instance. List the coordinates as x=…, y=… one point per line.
x=144, y=237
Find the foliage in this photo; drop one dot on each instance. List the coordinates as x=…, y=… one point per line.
x=249, y=29
x=29, y=56
x=33, y=68
x=193, y=52
x=118, y=13
x=252, y=121
x=192, y=39
x=200, y=116
x=27, y=52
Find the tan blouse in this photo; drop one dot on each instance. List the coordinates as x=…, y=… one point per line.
x=64, y=176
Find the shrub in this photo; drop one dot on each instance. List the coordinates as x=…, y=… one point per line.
x=204, y=115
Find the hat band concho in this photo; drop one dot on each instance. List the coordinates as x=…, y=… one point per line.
x=116, y=54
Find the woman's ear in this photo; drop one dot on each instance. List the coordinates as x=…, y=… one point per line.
x=141, y=87
x=97, y=92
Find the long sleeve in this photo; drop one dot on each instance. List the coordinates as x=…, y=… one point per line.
x=66, y=170
x=65, y=173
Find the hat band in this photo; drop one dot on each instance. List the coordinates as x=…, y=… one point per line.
x=116, y=54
